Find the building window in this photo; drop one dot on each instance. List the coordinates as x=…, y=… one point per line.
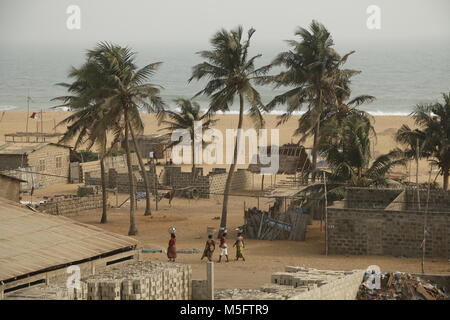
x=42, y=165
x=59, y=162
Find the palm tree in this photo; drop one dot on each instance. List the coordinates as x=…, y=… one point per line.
x=128, y=93
x=433, y=120
x=186, y=119
x=414, y=141
x=86, y=124
x=313, y=69
x=346, y=145
x=230, y=73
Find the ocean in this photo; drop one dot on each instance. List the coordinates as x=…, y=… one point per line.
x=400, y=75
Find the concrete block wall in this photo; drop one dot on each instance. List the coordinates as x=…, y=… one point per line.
x=370, y=198
x=387, y=232
x=439, y=200
x=120, y=180
x=72, y=206
x=212, y=183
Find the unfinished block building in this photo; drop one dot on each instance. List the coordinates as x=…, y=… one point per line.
x=173, y=177
x=390, y=222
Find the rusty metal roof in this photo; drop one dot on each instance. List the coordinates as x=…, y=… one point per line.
x=32, y=241
x=19, y=148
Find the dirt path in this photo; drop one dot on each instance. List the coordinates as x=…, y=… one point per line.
x=192, y=217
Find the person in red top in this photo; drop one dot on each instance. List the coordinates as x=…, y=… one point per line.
x=223, y=247
x=172, y=249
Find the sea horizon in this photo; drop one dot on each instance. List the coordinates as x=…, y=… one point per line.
x=399, y=74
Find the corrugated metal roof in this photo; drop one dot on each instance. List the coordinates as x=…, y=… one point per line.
x=32, y=241
x=19, y=148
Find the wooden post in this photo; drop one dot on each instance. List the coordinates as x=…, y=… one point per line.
x=210, y=279
x=258, y=203
x=253, y=181
x=155, y=178
x=326, y=214
x=260, y=225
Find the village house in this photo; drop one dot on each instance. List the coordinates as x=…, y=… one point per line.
x=156, y=144
x=10, y=187
x=39, y=164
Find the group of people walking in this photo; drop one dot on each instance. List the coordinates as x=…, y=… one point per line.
x=210, y=247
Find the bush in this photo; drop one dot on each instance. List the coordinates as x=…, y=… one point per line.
x=82, y=191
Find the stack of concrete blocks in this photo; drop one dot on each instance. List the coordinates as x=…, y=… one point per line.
x=142, y=281
x=71, y=206
x=299, y=283
x=93, y=290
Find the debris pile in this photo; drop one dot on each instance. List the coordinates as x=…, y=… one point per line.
x=400, y=286
x=274, y=225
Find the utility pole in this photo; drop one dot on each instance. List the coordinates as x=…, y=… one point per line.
x=417, y=172
x=28, y=114
x=42, y=122
x=425, y=222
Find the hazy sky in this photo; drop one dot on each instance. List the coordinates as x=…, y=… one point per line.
x=194, y=21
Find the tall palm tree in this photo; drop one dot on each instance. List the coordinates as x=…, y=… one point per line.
x=313, y=68
x=186, y=119
x=86, y=124
x=128, y=93
x=433, y=120
x=230, y=73
x=414, y=141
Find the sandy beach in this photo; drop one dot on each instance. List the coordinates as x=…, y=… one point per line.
x=385, y=128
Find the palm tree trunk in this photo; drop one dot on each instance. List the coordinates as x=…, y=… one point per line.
x=133, y=230
x=446, y=175
x=193, y=158
x=314, y=151
x=104, y=218
x=148, y=211
x=223, y=220
x=316, y=140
